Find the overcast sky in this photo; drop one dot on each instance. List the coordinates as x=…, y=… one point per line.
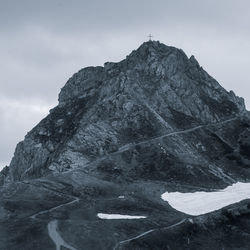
x=42, y=43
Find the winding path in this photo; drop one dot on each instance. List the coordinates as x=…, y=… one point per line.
x=54, y=208
x=148, y=232
x=53, y=227
x=56, y=237
x=132, y=145
x=183, y=131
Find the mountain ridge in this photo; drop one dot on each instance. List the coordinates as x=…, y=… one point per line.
x=121, y=136
x=152, y=72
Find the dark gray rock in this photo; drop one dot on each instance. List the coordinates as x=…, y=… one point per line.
x=135, y=128
x=155, y=90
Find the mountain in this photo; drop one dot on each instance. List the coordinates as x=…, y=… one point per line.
x=121, y=136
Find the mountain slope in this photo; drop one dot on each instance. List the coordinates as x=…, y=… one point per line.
x=153, y=122
x=155, y=91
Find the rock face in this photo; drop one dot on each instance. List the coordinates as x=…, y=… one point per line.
x=153, y=121
x=156, y=90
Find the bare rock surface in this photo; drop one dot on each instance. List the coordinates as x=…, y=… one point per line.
x=154, y=122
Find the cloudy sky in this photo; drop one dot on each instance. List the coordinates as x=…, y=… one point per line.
x=42, y=43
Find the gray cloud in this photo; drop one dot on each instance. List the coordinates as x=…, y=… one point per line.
x=15, y=118
x=42, y=43
x=90, y=16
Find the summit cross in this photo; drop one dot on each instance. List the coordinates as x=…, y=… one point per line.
x=150, y=37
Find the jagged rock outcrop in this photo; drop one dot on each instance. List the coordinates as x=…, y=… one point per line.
x=4, y=176
x=120, y=136
x=156, y=90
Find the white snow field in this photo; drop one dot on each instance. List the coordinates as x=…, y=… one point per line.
x=198, y=203
x=118, y=216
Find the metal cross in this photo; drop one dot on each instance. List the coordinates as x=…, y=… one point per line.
x=150, y=37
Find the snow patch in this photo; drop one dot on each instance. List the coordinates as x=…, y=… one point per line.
x=198, y=203
x=118, y=216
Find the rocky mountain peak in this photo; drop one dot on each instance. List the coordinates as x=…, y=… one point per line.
x=153, y=49
x=155, y=90
x=122, y=138
x=151, y=57
x=155, y=67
